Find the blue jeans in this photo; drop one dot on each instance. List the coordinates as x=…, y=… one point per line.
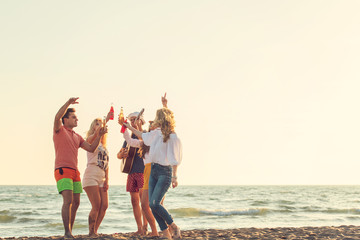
x=159, y=184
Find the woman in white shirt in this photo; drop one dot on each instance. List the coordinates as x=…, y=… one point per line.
x=165, y=155
x=96, y=178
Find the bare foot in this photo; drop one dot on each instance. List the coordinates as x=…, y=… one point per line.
x=68, y=236
x=145, y=230
x=138, y=233
x=152, y=234
x=176, y=230
x=166, y=234
x=171, y=231
x=93, y=235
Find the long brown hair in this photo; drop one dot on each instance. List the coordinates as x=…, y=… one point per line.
x=165, y=120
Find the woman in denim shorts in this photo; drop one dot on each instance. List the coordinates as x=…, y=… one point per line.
x=96, y=179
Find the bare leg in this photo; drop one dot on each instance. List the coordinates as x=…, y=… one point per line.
x=147, y=212
x=94, y=197
x=74, y=207
x=135, y=201
x=145, y=221
x=162, y=200
x=66, y=213
x=103, y=206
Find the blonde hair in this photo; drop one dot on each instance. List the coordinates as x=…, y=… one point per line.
x=92, y=131
x=143, y=150
x=165, y=120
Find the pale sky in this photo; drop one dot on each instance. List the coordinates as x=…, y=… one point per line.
x=264, y=92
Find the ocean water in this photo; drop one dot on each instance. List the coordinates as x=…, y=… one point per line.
x=35, y=210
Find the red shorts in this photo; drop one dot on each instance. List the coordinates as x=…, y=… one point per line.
x=135, y=181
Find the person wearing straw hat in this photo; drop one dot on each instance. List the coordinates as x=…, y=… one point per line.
x=135, y=179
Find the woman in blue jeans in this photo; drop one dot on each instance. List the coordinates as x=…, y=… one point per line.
x=165, y=155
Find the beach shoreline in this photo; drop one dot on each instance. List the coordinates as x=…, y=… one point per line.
x=326, y=232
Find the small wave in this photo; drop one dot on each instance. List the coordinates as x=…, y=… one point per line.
x=311, y=209
x=260, y=202
x=190, y=195
x=287, y=192
x=185, y=212
x=252, y=212
x=4, y=212
x=25, y=220
x=6, y=200
x=285, y=210
x=287, y=202
x=332, y=210
x=213, y=199
x=287, y=207
x=78, y=225
x=194, y=212
x=54, y=226
x=6, y=218
x=349, y=211
x=28, y=213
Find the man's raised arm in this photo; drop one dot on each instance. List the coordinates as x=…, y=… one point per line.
x=61, y=112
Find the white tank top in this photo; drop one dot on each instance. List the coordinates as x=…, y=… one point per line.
x=100, y=158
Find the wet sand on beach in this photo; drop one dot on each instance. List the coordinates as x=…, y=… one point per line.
x=340, y=232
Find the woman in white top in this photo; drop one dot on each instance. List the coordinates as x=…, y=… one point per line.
x=165, y=155
x=96, y=179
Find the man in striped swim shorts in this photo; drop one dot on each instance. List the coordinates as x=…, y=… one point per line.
x=67, y=175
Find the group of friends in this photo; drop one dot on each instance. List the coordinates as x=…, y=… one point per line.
x=154, y=168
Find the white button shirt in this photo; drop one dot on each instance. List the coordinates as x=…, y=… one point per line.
x=164, y=153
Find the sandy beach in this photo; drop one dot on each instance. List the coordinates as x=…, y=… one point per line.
x=340, y=232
